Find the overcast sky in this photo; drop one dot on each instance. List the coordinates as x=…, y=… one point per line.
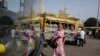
x=81, y=9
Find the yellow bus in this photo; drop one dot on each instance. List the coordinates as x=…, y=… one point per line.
x=50, y=24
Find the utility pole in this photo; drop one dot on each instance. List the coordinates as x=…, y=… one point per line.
x=5, y=3
x=31, y=10
x=98, y=13
x=21, y=8
x=97, y=25
x=41, y=15
x=42, y=29
x=41, y=7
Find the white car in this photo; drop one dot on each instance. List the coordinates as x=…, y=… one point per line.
x=70, y=36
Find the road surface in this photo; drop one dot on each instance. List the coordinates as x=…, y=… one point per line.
x=91, y=48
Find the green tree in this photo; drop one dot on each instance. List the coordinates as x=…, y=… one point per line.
x=90, y=22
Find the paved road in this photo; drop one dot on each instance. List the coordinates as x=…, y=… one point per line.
x=91, y=48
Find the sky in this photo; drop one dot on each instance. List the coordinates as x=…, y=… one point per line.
x=82, y=9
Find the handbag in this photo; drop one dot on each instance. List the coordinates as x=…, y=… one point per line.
x=53, y=43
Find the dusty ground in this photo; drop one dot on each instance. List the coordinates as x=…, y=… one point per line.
x=91, y=48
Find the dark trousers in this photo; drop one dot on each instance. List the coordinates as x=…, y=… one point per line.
x=81, y=42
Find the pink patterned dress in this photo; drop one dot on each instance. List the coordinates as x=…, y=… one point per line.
x=59, y=51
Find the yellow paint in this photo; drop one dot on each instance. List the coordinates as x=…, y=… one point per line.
x=77, y=23
x=2, y=48
x=42, y=23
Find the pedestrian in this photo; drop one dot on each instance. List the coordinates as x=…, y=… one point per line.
x=59, y=36
x=13, y=31
x=30, y=31
x=82, y=38
x=31, y=35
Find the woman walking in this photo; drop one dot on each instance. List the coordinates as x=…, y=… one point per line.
x=59, y=36
x=31, y=35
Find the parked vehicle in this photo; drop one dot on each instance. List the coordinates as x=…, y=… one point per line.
x=71, y=37
x=97, y=35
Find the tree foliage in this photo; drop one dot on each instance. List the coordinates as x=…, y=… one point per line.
x=90, y=22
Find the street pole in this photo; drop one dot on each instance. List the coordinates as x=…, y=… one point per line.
x=20, y=8
x=31, y=10
x=97, y=25
x=41, y=40
x=98, y=13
